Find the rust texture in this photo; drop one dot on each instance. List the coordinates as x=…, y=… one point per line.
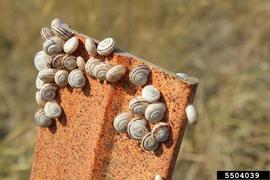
x=82, y=143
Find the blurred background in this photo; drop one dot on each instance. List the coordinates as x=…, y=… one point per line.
x=226, y=44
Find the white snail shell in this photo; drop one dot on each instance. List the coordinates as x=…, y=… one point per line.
x=139, y=75
x=155, y=112
x=137, y=128
x=42, y=61
x=69, y=62
x=46, y=33
x=76, y=78
x=158, y=177
x=41, y=119
x=138, y=105
x=106, y=47
x=62, y=30
x=40, y=101
x=192, y=114
x=47, y=75
x=39, y=83
x=149, y=143
x=61, y=78
x=59, y=21
x=53, y=46
x=52, y=109
x=115, y=73
x=150, y=94
x=120, y=122
x=71, y=45
x=57, y=61
x=48, y=91
x=182, y=75
x=81, y=63
x=90, y=65
x=90, y=46
x=161, y=131
x=101, y=69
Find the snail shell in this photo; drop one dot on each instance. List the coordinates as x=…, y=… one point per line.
x=52, y=109
x=41, y=119
x=120, y=122
x=139, y=75
x=106, y=47
x=183, y=76
x=53, y=46
x=39, y=83
x=101, y=69
x=69, y=62
x=57, y=61
x=116, y=73
x=42, y=61
x=138, y=105
x=90, y=46
x=76, y=79
x=40, y=101
x=71, y=45
x=81, y=63
x=61, y=78
x=59, y=21
x=90, y=65
x=149, y=143
x=150, y=94
x=46, y=33
x=61, y=29
x=47, y=75
x=155, y=112
x=161, y=131
x=137, y=128
x=192, y=114
x=48, y=91
x=158, y=177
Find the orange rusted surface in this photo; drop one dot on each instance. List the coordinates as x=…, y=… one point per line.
x=82, y=143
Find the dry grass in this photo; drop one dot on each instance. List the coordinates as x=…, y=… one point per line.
x=224, y=43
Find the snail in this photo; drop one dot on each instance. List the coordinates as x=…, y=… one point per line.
x=120, y=122
x=149, y=143
x=155, y=112
x=192, y=114
x=42, y=61
x=53, y=45
x=158, y=177
x=115, y=73
x=76, y=79
x=59, y=21
x=71, y=45
x=90, y=46
x=46, y=33
x=52, y=109
x=69, y=62
x=39, y=83
x=161, y=131
x=57, y=61
x=101, y=69
x=40, y=101
x=183, y=76
x=81, y=63
x=47, y=75
x=48, y=91
x=137, y=128
x=106, y=47
x=90, y=65
x=150, y=94
x=139, y=75
x=61, y=78
x=138, y=105
x=61, y=29
x=41, y=119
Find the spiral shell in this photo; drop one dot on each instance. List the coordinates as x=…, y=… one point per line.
x=81, y=63
x=41, y=119
x=71, y=45
x=61, y=30
x=57, y=61
x=116, y=73
x=192, y=114
x=39, y=83
x=150, y=94
x=42, y=61
x=76, y=79
x=48, y=91
x=52, y=109
x=59, y=21
x=101, y=69
x=139, y=75
x=149, y=143
x=40, y=101
x=53, y=46
x=161, y=131
x=61, y=78
x=155, y=112
x=106, y=47
x=90, y=65
x=138, y=105
x=183, y=76
x=46, y=33
x=137, y=128
x=47, y=75
x=90, y=46
x=120, y=122
x=69, y=62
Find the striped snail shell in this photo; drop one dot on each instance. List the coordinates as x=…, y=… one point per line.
x=57, y=61
x=71, y=45
x=116, y=73
x=192, y=114
x=106, y=47
x=90, y=46
x=149, y=143
x=39, y=83
x=59, y=21
x=76, y=79
x=90, y=65
x=41, y=119
x=161, y=131
x=137, y=128
x=61, y=30
x=155, y=112
x=139, y=75
x=52, y=109
x=138, y=105
x=61, y=78
x=40, y=101
x=150, y=94
x=69, y=62
x=53, y=46
x=120, y=122
x=46, y=33
x=81, y=63
x=42, y=60
x=47, y=75
x=48, y=91
x=101, y=69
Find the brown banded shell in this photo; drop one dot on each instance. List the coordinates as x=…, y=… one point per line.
x=46, y=33
x=47, y=75
x=161, y=131
x=41, y=119
x=90, y=65
x=61, y=78
x=150, y=94
x=90, y=46
x=76, y=78
x=115, y=73
x=52, y=109
x=71, y=45
x=149, y=143
x=120, y=122
x=53, y=46
x=48, y=91
x=59, y=21
x=106, y=47
x=69, y=62
x=81, y=63
x=139, y=75
x=137, y=128
x=101, y=69
x=61, y=30
x=138, y=105
x=40, y=101
x=39, y=83
x=155, y=112
x=57, y=61
x=42, y=61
